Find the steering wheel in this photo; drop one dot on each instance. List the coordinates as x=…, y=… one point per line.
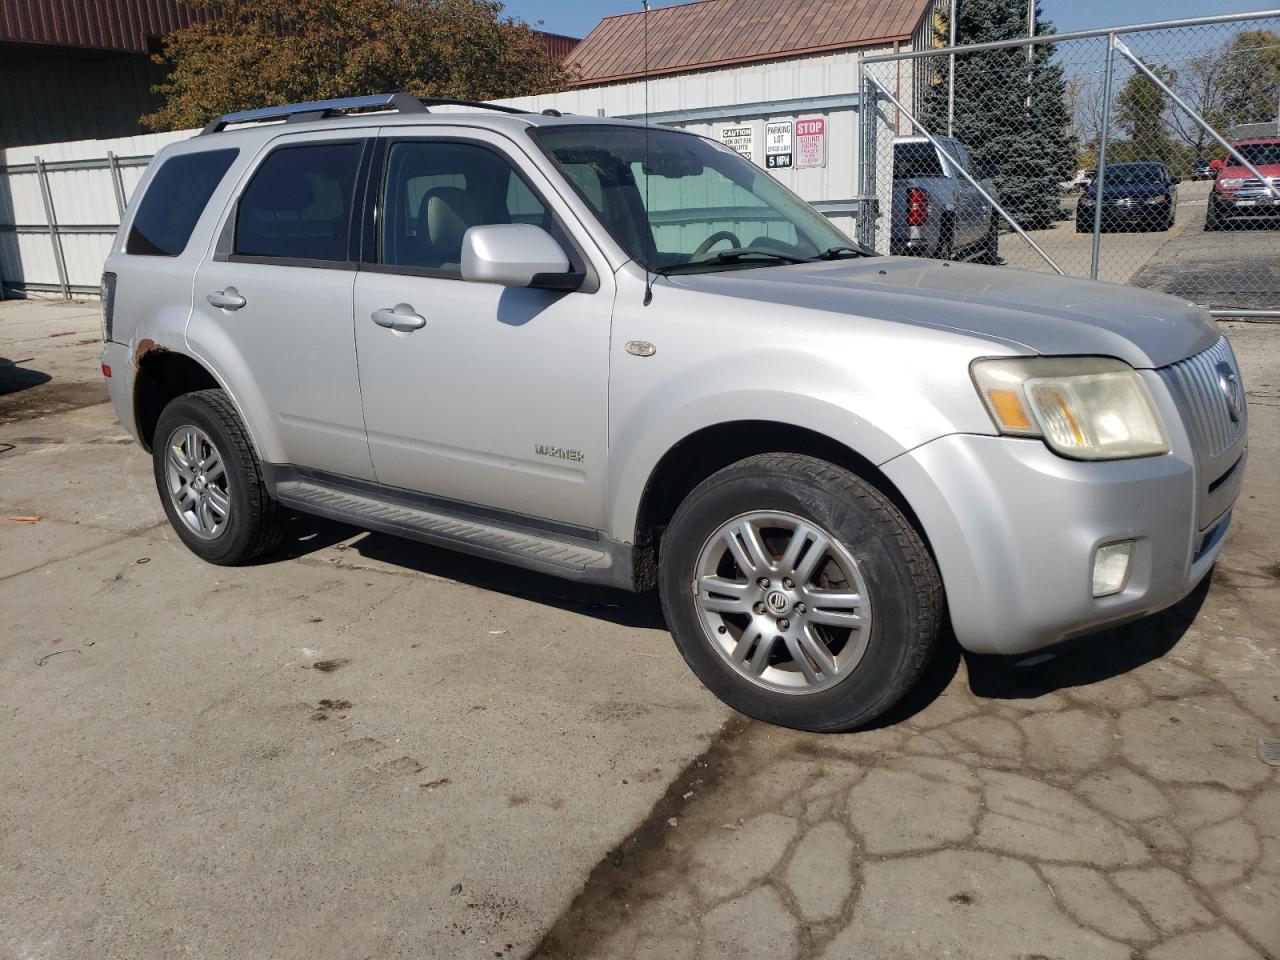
x=706, y=245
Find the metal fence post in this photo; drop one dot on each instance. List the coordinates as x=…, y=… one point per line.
x=951, y=72
x=117, y=183
x=51, y=221
x=1100, y=179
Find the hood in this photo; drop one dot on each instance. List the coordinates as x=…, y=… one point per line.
x=1268, y=170
x=1031, y=312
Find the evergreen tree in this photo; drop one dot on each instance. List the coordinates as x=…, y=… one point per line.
x=1012, y=115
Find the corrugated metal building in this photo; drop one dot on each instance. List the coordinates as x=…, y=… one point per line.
x=775, y=79
x=74, y=69
x=81, y=69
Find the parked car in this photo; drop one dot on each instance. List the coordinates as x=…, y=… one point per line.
x=1238, y=196
x=937, y=213
x=1136, y=196
x=1081, y=180
x=626, y=355
x=1204, y=170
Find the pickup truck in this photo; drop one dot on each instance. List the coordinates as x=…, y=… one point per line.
x=937, y=213
x=1237, y=193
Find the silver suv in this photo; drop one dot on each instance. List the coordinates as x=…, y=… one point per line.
x=627, y=356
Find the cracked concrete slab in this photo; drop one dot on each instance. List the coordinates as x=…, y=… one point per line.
x=301, y=758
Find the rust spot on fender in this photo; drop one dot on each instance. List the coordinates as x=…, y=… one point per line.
x=145, y=346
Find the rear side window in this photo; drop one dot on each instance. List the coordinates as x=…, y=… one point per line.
x=913, y=160
x=298, y=204
x=174, y=201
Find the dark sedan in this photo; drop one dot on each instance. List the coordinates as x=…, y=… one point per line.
x=1136, y=196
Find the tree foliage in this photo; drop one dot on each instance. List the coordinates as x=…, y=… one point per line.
x=242, y=54
x=1011, y=113
x=1140, y=112
x=1251, y=77
x=1234, y=82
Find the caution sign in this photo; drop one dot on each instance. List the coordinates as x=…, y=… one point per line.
x=740, y=140
x=779, y=149
x=811, y=143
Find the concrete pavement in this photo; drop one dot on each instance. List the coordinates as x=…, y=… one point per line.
x=366, y=748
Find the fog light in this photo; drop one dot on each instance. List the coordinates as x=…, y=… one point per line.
x=1111, y=567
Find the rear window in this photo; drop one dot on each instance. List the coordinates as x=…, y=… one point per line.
x=298, y=204
x=174, y=201
x=912, y=160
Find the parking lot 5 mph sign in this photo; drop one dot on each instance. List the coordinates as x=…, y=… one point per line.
x=779, y=150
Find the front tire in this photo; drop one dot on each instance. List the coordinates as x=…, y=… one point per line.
x=798, y=593
x=210, y=480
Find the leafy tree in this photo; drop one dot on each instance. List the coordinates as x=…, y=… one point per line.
x=241, y=54
x=1010, y=111
x=1140, y=111
x=1251, y=77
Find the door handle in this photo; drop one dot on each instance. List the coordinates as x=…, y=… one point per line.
x=400, y=318
x=228, y=299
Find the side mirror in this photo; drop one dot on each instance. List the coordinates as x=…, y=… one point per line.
x=516, y=255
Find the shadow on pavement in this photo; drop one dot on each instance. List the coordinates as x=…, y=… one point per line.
x=1085, y=660
x=307, y=534
x=14, y=377
x=1076, y=663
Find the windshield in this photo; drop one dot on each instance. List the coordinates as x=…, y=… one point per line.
x=1259, y=154
x=1122, y=174
x=681, y=203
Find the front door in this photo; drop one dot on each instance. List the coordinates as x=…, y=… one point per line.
x=273, y=305
x=485, y=395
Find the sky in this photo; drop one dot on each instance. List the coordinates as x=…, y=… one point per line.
x=577, y=17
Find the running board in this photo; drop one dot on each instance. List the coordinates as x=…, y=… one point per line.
x=553, y=552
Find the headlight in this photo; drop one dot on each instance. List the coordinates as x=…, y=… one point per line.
x=1231, y=183
x=1086, y=408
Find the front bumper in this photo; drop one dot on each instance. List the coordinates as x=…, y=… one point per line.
x=1255, y=203
x=1014, y=528
x=1135, y=214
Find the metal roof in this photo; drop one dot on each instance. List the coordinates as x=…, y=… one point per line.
x=126, y=25
x=710, y=33
x=122, y=25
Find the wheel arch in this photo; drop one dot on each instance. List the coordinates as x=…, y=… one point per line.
x=698, y=455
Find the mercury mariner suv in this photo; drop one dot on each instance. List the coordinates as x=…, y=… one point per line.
x=627, y=356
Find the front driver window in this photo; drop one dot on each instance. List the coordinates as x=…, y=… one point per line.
x=433, y=192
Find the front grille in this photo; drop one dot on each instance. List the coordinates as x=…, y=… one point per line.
x=1253, y=183
x=1196, y=389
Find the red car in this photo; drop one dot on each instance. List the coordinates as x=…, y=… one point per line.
x=1237, y=193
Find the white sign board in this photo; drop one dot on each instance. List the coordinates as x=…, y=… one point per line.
x=779, y=144
x=811, y=143
x=740, y=140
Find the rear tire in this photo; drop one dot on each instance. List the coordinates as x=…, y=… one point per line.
x=946, y=240
x=990, y=254
x=210, y=480
x=874, y=570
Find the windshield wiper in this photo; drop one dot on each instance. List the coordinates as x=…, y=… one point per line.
x=836, y=253
x=731, y=257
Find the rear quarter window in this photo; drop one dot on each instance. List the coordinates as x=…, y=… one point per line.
x=915, y=161
x=175, y=198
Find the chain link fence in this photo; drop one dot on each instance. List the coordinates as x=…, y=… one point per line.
x=1145, y=155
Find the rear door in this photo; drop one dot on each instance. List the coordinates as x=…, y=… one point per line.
x=272, y=306
x=499, y=397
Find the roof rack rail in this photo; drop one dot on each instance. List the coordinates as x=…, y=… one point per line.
x=326, y=109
